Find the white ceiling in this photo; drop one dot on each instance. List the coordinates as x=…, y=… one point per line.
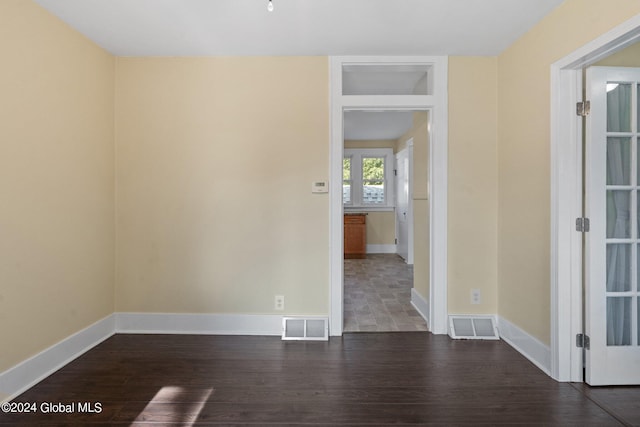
x=301, y=27
x=307, y=27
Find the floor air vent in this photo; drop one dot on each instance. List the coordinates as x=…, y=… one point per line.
x=473, y=328
x=305, y=328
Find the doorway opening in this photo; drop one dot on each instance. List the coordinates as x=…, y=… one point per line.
x=419, y=84
x=379, y=199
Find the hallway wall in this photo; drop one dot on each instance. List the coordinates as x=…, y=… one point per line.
x=57, y=182
x=524, y=157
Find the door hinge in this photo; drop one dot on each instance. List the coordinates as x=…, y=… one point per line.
x=395, y=172
x=583, y=108
x=582, y=225
x=396, y=241
x=583, y=341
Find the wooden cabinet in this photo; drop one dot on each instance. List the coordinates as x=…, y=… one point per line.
x=355, y=235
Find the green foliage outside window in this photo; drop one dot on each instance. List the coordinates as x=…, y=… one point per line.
x=373, y=170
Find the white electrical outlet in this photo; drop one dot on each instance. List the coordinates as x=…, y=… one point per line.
x=475, y=296
x=279, y=305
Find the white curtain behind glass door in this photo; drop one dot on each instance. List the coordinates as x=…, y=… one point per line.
x=619, y=274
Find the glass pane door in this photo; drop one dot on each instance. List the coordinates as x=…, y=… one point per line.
x=622, y=215
x=612, y=246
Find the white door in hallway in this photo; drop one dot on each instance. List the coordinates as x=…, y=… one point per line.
x=612, y=245
x=404, y=214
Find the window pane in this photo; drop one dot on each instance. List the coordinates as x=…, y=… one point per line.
x=373, y=168
x=618, y=107
x=618, y=161
x=373, y=180
x=346, y=168
x=618, y=321
x=638, y=264
x=385, y=79
x=618, y=267
x=346, y=180
x=346, y=192
x=618, y=214
x=372, y=193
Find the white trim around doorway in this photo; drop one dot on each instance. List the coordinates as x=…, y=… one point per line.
x=437, y=105
x=566, y=196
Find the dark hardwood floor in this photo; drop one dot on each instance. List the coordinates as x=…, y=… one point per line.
x=412, y=378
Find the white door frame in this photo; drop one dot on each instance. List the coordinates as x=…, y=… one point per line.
x=410, y=236
x=566, y=195
x=436, y=104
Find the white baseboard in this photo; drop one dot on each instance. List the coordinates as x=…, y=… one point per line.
x=530, y=347
x=186, y=323
x=26, y=374
x=381, y=249
x=420, y=304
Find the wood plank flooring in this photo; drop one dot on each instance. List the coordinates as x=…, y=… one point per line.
x=400, y=378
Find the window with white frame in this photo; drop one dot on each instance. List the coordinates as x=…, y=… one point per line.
x=367, y=178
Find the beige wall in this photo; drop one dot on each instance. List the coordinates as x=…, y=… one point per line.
x=473, y=184
x=381, y=228
x=523, y=153
x=473, y=187
x=421, y=236
x=57, y=165
x=216, y=157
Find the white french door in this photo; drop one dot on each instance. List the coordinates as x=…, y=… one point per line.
x=612, y=246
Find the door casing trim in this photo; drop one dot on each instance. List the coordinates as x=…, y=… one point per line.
x=437, y=105
x=566, y=195
x=410, y=236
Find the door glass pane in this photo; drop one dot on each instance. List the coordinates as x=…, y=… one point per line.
x=637, y=216
x=618, y=267
x=385, y=79
x=638, y=264
x=618, y=107
x=618, y=161
x=618, y=214
x=618, y=321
